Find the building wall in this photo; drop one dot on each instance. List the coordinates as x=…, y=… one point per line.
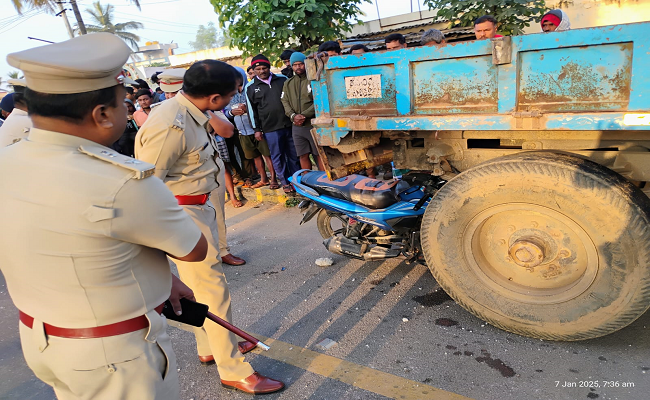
x=231, y=56
x=396, y=21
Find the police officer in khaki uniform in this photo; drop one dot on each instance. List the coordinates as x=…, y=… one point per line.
x=171, y=82
x=86, y=264
x=17, y=124
x=175, y=140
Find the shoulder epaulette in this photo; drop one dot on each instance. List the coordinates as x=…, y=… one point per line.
x=154, y=105
x=142, y=169
x=179, y=120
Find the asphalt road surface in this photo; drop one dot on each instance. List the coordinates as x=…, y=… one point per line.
x=392, y=332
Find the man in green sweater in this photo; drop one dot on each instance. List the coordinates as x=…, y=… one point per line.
x=298, y=102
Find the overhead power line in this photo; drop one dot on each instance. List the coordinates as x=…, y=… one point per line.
x=9, y=26
x=155, y=20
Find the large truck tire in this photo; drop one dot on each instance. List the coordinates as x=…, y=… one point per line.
x=542, y=244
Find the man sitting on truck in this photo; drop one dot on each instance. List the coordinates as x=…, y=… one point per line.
x=555, y=21
x=395, y=41
x=432, y=37
x=359, y=49
x=485, y=27
x=330, y=47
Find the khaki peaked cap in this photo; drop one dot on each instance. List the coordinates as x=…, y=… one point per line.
x=16, y=82
x=171, y=80
x=83, y=64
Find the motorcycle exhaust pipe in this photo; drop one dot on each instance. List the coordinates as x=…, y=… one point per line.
x=344, y=247
x=380, y=253
x=348, y=247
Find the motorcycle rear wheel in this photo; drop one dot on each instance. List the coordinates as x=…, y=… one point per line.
x=331, y=224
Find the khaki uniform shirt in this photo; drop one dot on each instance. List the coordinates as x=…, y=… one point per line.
x=15, y=127
x=175, y=140
x=80, y=235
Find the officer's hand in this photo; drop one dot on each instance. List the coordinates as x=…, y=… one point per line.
x=259, y=136
x=179, y=291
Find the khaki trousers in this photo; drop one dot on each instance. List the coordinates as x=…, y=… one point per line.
x=208, y=282
x=218, y=198
x=140, y=365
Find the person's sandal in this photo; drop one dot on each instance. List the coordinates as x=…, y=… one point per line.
x=274, y=186
x=259, y=185
x=288, y=189
x=248, y=183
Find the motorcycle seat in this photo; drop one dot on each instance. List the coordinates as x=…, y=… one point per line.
x=372, y=193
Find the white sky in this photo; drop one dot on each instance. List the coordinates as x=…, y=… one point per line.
x=164, y=21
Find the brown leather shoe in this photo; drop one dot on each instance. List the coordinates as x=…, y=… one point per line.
x=245, y=346
x=232, y=260
x=206, y=360
x=254, y=384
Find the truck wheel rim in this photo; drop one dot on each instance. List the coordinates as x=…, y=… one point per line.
x=530, y=253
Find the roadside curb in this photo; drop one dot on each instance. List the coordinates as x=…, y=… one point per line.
x=263, y=195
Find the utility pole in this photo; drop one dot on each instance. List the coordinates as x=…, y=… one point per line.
x=65, y=19
x=77, y=14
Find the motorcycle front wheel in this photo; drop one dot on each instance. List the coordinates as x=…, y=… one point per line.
x=331, y=223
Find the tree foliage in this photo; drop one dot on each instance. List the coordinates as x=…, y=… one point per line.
x=270, y=26
x=15, y=75
x=102, y=18
x=47, y=5
x=513, y=15
x=208, y=37
x=159, y=64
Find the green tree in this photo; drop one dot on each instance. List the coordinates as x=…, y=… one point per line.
x=103, y=18
x=159, y=64
x=15, y=75
x=208, y=37
x=21, y=5
x=513, y=15
x=270, y=26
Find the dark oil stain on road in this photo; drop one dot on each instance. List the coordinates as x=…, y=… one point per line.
x=486, y=358
x=376, y=282
x=601, y=358
x=446, y=322
x=497, y=364
x=592, y=395
x=450, y=347
x=575, y=371
x=433, y=299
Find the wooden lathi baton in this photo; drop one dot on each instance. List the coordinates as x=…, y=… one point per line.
x=195, y=314
x=232, y=328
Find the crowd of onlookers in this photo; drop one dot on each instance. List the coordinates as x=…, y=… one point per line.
x=272, y=113
x=267, y=125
